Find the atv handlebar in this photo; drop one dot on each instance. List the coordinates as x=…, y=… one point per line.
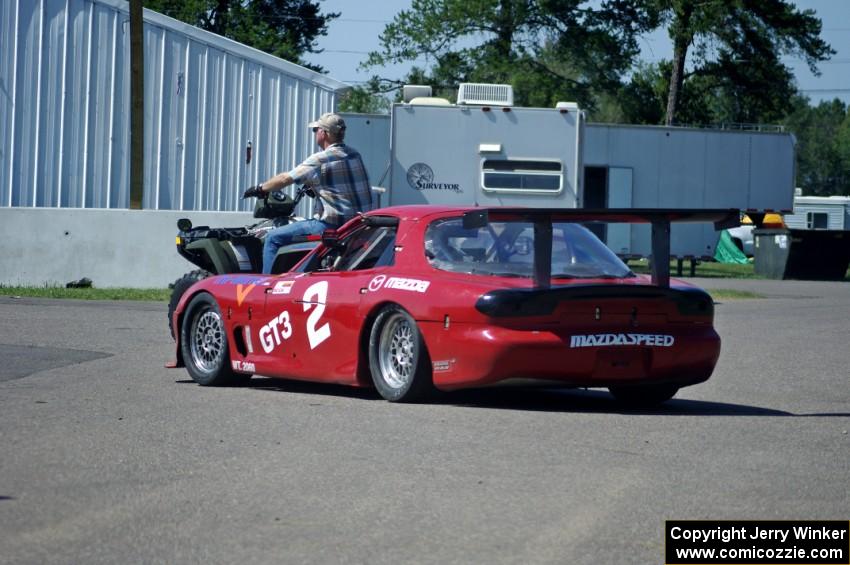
x=303, y=191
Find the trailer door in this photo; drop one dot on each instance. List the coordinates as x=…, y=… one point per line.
x=619, y=196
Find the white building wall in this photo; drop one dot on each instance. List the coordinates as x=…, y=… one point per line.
x=65, y=98
x=114, y=248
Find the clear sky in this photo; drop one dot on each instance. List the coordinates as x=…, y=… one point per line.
x=356, y=32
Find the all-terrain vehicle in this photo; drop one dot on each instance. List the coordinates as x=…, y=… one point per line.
x=218, y=251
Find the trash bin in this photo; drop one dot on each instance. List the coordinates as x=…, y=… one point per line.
x=822, y=255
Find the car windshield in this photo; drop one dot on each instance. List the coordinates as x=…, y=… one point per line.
x=506, y=248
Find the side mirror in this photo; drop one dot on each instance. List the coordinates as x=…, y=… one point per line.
x=184, y=224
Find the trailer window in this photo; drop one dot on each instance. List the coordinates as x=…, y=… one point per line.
x=513, y=175
x=817, y=220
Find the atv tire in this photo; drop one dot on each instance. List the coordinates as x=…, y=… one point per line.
x=180, y=286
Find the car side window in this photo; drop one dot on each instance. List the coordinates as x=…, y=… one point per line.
x=368, y=248
x=365, y=247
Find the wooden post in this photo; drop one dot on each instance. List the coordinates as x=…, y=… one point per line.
x=137, y=106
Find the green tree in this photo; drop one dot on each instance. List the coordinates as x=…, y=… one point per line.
x=362, y=100
x=842, y=141
x=641, y=100
x=549, y=50
x=283, y=28
x=721, y=97
x=735, y=48
x=823, y=167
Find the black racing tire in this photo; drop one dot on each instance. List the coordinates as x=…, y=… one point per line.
x=643, y=396
x=204, y=344
x=398, y=358
x=180, y=287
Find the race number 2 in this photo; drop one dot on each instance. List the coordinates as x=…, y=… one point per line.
x=319, y=293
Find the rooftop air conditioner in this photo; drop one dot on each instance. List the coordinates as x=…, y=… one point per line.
x=485, y=94
x=567, y=106
x=411, y=91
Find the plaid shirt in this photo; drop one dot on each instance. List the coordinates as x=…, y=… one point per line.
x=339, y=179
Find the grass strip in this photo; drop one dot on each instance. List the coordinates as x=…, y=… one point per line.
x=703, y=269
x=149, y=294
x=707, y=269
x=730, y=294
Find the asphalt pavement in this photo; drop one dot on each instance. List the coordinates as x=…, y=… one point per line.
x=108, y=457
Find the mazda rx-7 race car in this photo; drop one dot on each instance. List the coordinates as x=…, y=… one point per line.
x=411, y=299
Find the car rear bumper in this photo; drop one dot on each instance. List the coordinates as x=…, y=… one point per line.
x=467, y=355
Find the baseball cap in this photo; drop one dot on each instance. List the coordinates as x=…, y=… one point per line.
x=329, y=122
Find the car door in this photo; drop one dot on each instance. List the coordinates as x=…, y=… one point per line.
x=315, y=318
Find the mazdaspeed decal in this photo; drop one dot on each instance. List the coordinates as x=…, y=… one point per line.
x=606, y=340
x=376, y=283
x=398, y=283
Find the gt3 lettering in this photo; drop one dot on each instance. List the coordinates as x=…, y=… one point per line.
x=272, y=333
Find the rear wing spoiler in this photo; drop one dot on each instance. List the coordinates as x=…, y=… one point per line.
x=660, y=218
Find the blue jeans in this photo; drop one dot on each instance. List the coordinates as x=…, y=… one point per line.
x=283, y=235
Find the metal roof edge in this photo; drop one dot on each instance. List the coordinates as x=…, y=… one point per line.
x=231, y=46
x=658, y=127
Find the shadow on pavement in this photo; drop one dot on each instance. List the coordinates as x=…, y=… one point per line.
x=535, y=399
x=304, y=387
x=20, y=361
x=596, y=401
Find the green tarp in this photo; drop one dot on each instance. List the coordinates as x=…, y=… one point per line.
x=727, y=252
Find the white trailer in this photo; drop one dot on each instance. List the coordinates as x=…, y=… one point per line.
x=486, y=153
x=820, y=213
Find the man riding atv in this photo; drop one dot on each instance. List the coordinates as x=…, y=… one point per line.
x=336, y=176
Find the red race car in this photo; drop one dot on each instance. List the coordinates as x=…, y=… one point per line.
x=416, y=298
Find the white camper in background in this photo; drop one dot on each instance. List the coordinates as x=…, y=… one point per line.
x=484, y=151
x=820, y=213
